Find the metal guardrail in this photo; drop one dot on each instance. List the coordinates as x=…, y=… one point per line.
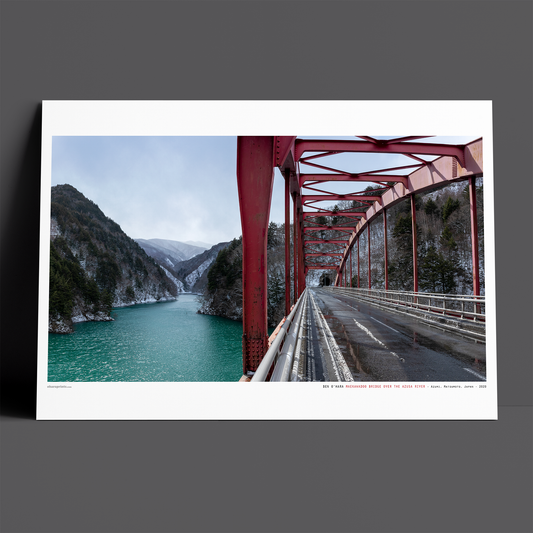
x=280, y=355
x=458, y=306
x=449, y=311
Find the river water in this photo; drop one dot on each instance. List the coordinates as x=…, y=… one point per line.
x=166, y=341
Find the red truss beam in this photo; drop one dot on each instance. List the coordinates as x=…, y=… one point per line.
x=422, y=161
x=310, y=249
x=344, y=229
x=404, y=167
x=304, y=145
x=359, y=210
x=322, y=262
x=355, y=178
x=326, y=241
x=283, y=147
x=339, y=214
x=317, y=156
x=335, y=247
x=323, y=210
x=396, y=140
x=321, y=267
x=321, y=191
x=331, y=169
x=324, y=254
x=355, y=193
x=314, y=250
x=331, y=197
x=327, y=209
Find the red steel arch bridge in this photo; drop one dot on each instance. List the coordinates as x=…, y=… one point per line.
x=428, y=166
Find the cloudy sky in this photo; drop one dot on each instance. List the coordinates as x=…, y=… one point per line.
x=178, y=188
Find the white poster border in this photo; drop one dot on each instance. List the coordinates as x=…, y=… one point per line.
x=267, y=401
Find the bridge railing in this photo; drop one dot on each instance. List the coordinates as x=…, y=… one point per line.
x=277, y=362
x=467, y=307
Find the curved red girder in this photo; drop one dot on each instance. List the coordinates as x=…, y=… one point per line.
x=433, y=175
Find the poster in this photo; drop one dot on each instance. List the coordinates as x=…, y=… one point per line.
x=100, y=131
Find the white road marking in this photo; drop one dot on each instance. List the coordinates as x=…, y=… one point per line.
x=339, y=364
x=395, y=331
x=385, y=325
x=476, y=374
x=368, y=332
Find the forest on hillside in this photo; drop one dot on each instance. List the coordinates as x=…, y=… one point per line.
x=444, y=248
x=94, y=265
x=223, y=294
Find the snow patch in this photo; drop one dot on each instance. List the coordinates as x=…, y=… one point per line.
x=100, y=316
x=54, y=229
x=177, y=282
x=195, y=275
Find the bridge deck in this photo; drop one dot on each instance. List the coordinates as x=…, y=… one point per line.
x=348, y=340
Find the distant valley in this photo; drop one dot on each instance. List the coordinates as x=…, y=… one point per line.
x=95, y=266
x=186, y=265
x=169, y=251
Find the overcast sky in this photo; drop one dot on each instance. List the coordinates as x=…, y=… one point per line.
x=178, y=188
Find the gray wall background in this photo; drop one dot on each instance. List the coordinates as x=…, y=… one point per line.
x=236, y=476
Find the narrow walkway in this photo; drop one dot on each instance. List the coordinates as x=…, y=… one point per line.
x=319, y=358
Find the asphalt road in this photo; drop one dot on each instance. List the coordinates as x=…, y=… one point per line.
x=384, y=346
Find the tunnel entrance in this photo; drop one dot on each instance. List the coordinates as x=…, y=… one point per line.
x=325, y=280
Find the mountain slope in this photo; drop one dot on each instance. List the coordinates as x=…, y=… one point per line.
x=189, y=275
x=201, y=244
x=223, y=293
x=193, y=272
x=94, y=265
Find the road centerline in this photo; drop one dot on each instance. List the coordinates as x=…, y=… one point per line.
x=379, y=322
x=370, y=334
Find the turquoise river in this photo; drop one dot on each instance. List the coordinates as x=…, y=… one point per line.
x=166, y=341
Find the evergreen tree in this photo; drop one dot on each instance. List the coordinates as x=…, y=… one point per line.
x=401, y=266
x=276, y=293
x=437, y=274
x=334, y=218
x=447, y=241
x=431, y=208
x=450, y=206
x=272, y=236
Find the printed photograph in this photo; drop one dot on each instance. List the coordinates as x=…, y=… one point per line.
x=287, y=259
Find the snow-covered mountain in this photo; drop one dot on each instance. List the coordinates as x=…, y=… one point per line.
x=194, y=271
x=200, y=244
x=169, y=253
x=189, y=274
x=94, y=265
